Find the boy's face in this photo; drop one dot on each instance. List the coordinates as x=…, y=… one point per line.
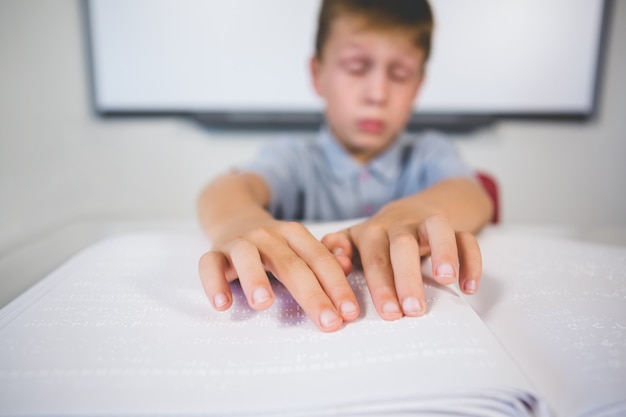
x=369, y=80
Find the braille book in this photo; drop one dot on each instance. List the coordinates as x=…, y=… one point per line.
x=124, y=328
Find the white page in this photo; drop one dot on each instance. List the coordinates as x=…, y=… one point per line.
x=124, y=328
x=559, y=307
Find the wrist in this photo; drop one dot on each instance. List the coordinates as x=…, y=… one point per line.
x=409, y=208
x=236, y=221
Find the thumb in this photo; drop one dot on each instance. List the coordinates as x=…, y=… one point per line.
x=340, y=245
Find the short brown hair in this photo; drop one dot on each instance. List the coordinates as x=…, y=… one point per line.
x=413, y=15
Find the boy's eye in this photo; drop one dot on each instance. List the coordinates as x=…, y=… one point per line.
x=356, y=66
x=401, y=73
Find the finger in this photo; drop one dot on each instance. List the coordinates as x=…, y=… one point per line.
x=373, y=244
x=340, y=245
x=470, y=262
x=212, y=268
x=327, y=270
x=245, y=258
x=290, y=269
x=440, y=236
x=407, y=272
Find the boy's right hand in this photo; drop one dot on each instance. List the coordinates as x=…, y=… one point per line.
x=310, y=272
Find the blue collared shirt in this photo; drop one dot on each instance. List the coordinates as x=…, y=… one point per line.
x=317, y=180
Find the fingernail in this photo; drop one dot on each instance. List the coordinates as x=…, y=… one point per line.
x=411, y=306
x=220, y=300
x=338, y=251
x=390, y=307
x=260, y=295
x=470, y=286
x=329, y=318
x=445, y=271
x=348, y=308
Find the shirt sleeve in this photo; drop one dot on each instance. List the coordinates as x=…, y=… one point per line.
x=441, y=160
x=277, y=163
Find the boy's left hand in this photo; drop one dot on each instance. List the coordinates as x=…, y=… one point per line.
x=390, y=245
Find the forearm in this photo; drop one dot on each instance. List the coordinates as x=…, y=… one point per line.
x=464, y=202
x=230, y=200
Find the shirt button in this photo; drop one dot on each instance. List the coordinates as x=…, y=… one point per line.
x=368, y=210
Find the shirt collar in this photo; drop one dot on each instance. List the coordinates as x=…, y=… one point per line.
x=385, y=166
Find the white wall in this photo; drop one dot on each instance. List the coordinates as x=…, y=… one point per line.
x=60, y=163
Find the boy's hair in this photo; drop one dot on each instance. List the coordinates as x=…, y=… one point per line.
x=415, y=16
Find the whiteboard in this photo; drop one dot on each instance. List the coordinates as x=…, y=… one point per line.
x=490, y=57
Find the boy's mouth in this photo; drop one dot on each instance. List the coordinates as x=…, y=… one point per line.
x=371, y=125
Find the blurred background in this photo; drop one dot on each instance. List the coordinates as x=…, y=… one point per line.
x=61, y=162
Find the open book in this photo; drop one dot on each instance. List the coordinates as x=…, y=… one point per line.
x=124, y=328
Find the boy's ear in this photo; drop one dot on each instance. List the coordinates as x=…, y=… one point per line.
x=421, y=80
x=420, y=83
x=314, y=67
x=422, y=75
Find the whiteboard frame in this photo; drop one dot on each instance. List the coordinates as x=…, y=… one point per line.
x=307, y=121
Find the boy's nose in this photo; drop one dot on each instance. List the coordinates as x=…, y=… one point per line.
x=377, y=87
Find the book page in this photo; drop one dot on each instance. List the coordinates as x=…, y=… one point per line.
x=559, y=308
x=125, y=328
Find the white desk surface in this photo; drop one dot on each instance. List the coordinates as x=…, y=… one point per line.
x=23, y=266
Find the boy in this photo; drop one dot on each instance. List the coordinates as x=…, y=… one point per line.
x=420, y=197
